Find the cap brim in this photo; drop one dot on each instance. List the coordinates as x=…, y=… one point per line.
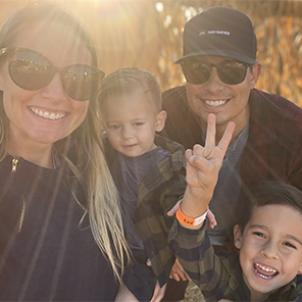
x=221, y=53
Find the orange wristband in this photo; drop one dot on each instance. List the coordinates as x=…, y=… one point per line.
x=188, y=221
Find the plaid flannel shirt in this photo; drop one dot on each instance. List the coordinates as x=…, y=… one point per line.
x=218, y=276
x=160, y=190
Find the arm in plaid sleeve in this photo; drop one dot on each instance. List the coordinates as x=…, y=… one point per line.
x=216, y=276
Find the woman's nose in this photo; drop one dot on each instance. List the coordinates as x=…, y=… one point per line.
x=54, y=90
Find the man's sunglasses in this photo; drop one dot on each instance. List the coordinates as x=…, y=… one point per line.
x=30, y=70
x=229, y=71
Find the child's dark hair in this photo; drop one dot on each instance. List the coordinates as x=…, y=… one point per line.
x=127, y=80
x=268, y=193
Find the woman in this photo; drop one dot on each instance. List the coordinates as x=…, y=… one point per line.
x=58, y=209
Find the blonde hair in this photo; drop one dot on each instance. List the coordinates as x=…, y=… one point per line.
x=127, y=80
x=87, y=163
x=103, y=206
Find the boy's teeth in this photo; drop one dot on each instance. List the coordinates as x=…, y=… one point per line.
x=47, y=114
x=215, y=103
x=265, y=268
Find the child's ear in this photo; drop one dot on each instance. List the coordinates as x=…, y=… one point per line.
x=160, y=120
x=237, y=236
x=300, y=270
x=104, y=134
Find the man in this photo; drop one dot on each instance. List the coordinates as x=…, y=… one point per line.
x=221, y=71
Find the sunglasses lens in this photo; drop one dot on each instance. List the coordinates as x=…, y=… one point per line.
x=229, y=72
x=29, y=70
x=232, y=72
x=81, y=81
x=196, y=72
x=32, y=71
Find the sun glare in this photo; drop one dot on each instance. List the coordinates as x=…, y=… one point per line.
x=159, y=6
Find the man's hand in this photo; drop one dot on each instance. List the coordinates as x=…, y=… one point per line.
x=203, y=165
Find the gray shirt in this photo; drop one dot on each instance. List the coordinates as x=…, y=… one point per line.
x=225, y=198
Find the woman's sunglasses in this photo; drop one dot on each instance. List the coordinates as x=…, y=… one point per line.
x=30, y=70
x=229, y=71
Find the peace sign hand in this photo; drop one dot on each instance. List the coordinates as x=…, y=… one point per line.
x=203, y=165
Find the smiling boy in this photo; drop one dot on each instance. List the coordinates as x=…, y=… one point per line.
x=269, y=240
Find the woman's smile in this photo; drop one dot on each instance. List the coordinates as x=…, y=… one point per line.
x=47, y=113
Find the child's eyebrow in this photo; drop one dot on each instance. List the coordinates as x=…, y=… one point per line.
x=253, y=226
x=289, y=236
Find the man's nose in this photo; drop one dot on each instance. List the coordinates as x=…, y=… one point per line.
x=214, y=81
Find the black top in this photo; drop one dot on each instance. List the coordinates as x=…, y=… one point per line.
x=46, y=251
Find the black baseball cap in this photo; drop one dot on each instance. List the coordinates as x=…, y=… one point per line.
x=220, y=31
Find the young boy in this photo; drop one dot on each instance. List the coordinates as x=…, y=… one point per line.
x=149, y=174
x=268, y=236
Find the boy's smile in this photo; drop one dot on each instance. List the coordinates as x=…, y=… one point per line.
x=265, y=272
x=270, y=248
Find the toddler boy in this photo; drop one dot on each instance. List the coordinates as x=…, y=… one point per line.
x=149, y=174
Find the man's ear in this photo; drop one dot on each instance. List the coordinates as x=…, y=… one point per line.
x=237, y=236
x=255, y=71
x=160, y=120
